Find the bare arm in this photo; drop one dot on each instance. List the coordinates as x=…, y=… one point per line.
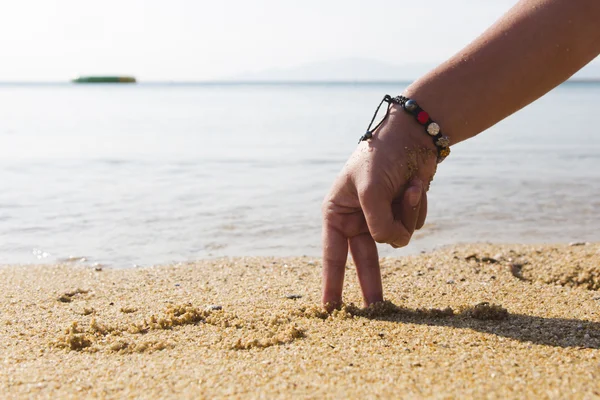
x=534, y=47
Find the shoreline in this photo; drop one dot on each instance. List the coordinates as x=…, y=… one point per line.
x=475, y=320
x=418, y=246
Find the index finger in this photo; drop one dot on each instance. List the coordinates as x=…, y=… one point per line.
x=335, y=255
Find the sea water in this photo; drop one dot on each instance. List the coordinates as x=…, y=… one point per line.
x=149, y=174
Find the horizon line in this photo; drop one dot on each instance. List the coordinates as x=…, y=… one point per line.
x=249, y=82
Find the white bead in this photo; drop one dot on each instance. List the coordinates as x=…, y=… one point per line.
x=433, y=129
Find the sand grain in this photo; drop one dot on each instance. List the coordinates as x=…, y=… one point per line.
x=471, y=321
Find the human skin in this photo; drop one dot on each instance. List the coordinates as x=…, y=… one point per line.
x=534, y=47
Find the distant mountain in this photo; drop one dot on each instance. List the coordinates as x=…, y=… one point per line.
x=346, y=70
x=363, y=70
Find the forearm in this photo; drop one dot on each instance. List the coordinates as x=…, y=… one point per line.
x=533, y=48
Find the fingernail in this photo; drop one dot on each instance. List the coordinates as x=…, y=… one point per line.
x=416, y=189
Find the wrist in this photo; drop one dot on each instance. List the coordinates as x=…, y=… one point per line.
x=422, y=117
x=402, y=132
x=400, y=121
x=442, y=109
x=408, y=107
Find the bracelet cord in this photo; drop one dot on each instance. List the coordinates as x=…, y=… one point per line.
x=441, y=142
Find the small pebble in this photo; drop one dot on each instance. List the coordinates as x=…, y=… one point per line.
x=214, y=307
x=65, y=299
x=293, y=296
x=515, y=270
x=490, y=260
x=577, y=244
x=450, y=281
x=98, y=266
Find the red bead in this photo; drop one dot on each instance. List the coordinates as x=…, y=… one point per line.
x=423, y=117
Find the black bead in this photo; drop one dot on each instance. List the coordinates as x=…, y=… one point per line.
x=411, y=106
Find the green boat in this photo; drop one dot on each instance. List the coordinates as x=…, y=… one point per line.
x=105, y=79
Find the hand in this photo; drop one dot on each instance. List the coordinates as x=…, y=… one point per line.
x=379, y=196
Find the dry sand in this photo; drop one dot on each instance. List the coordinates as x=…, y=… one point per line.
x=472, y=321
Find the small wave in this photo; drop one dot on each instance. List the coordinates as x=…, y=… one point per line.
x=116, y=161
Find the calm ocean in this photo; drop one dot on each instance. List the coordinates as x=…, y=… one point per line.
x=158, y=173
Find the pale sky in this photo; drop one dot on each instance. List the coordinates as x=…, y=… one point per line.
x=201, y=40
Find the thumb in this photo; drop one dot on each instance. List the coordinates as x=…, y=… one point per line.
x=412, y=195
x=410, y=207
x=379, y=213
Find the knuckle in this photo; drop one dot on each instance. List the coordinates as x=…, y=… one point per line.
x=327, y=206
x=381, y=236
x=331, y=218
x=366, y=191
x=362, y=192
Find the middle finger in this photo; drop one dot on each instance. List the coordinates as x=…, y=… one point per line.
x=366, y=258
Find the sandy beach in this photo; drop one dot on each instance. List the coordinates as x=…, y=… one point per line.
x=473, y=321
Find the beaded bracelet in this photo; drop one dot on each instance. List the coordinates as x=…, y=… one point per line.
x=410, y=106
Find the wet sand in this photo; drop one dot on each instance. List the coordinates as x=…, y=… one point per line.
x=475, y=321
